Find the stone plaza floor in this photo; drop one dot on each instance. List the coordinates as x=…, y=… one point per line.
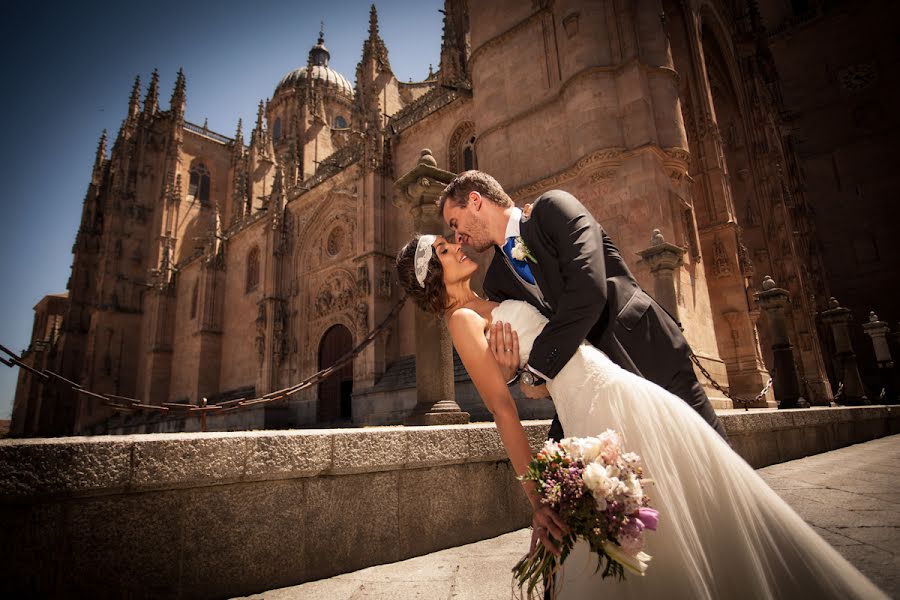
x=850, y=496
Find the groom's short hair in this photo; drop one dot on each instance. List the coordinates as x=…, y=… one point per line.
x=457, y=191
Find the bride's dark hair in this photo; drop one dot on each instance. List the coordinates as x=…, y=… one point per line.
x=431, y=298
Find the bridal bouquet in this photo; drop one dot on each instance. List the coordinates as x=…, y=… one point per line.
x=598, y=490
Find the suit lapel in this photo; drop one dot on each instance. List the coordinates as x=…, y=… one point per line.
x=525, y=288
x=526, y=229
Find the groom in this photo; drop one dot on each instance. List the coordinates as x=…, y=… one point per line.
x=561, y=261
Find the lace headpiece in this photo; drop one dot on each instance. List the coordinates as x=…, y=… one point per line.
x=424, y=251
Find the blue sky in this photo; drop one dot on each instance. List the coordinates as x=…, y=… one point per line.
x=69, y=68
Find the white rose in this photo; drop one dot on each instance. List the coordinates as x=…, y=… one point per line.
x=595, y=478
x=572, y=447
x=551, y=448
x=518, y=252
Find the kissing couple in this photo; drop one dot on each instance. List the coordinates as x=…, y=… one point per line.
x=564, y=317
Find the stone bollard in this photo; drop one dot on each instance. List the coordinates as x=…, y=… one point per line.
x=878, y=330
x=846, y=369
x=435, y=404
x=773, y=299
x=664, y=258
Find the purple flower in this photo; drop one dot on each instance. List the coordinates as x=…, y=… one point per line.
x=648, y=517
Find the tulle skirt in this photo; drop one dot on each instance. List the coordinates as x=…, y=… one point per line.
x=723, y=533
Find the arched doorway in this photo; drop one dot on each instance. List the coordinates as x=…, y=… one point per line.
x=334, y=392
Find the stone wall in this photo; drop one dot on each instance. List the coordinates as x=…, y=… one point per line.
x=209, y=515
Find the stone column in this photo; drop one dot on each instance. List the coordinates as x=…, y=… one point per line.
x=878, y=330
x=417, y=191
x=664, y=258
x=784, y=374
x=846, y=370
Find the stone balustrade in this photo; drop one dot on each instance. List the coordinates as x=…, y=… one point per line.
x=207, y=515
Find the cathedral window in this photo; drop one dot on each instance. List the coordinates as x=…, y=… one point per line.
x=461, y=151
x=276, y=130
x=252, y=269
x=198, y=189
x=340, y=122
x=468, y=154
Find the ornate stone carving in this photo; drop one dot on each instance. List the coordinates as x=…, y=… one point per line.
x=362, y=279
x=362, y=317
x=721, y=265
x=337, y=293
x=607, y=159
x=384, y=283
x=335, y=242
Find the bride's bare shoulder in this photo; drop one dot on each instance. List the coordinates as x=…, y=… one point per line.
x=464, y=319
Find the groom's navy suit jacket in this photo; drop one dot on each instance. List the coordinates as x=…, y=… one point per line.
x=587, y=292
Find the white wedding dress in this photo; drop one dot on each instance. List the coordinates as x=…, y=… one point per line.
x=723, y=533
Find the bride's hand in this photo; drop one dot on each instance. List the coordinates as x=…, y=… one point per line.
x=548, y=528
x=505, y=346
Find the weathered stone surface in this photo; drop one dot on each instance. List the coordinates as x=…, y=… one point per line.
x=485, y=443
x=287, y=454
x=457, y=505
x=166, y=460
x=255, y=529
x=351, y=522
x=428, y=446
x=36, y=467
x=365, y=450
x=128, y=546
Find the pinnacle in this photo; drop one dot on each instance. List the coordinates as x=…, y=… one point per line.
x=151, y=100
x=136, y=90
x=373, y=23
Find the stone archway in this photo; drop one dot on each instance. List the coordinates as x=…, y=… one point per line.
x=334, y=392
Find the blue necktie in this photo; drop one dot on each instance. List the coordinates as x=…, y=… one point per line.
x=520, y=266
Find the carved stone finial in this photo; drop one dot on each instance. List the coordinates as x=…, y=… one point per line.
x=425, y=158
x=768, y=283
x=833, y=303
x=873, y=318
x=657, y=238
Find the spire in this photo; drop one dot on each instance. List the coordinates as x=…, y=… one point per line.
x=373, y=47
x=259, y=118
x=151, y=100
x=101, y=151
x=238, y=147
x=373, y=25
x=452, y=70
x=259, y=141
x=134, y=103
x=179, y=97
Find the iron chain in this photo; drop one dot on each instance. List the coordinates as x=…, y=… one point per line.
x=744, y=401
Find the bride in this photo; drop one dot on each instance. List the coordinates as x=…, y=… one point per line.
x=723, y=533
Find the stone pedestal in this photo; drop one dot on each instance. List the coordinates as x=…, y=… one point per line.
x=784, y=373
x=418, y=191
x=664, y=258
x=878, y=330
x=853, y=392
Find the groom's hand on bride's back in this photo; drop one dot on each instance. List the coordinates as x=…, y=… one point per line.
x=505, y=346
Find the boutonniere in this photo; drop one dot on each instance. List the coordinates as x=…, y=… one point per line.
x=521, y=252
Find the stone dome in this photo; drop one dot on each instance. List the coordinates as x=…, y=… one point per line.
x=318, y=66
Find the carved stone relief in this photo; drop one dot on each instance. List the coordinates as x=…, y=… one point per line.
x=721, y=264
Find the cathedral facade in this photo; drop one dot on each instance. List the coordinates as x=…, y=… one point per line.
x=218, y=267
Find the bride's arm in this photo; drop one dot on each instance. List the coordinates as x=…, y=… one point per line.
x=467, y=330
